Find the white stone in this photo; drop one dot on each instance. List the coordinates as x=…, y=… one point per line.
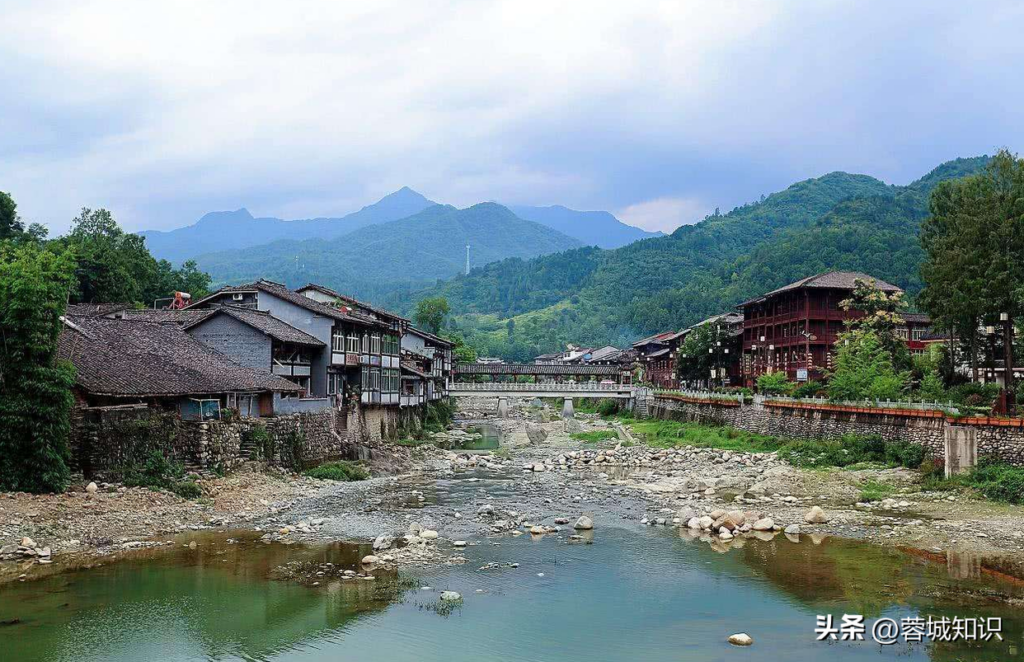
x=815, y=516
x=451, y=596
x=427, y=534
x=370, y=559
x=584, y=523
x=741, y=639
x=91, y=488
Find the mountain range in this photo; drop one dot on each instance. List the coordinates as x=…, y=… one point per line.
x=394, y=257
x=231, y=230
x=520, y=308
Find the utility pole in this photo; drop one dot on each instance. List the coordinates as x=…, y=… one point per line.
x=1008, y=381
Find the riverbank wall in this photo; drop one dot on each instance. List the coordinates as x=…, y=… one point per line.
x=1000, y=438
x=106, y=440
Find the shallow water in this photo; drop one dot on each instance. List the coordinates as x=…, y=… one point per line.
x=490, y=438
x=648, y=594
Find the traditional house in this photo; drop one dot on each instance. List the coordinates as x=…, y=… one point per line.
x=432, y=355
x=657, y=355
x=795, y=328
x=121, y=362
x=360, y=358
x=257, y=339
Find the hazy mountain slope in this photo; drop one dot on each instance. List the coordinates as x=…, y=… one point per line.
x=592, y=228
x=227, y=230
x=838, y=221
x=399, y=255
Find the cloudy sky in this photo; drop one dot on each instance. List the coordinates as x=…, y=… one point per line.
x=656, y=111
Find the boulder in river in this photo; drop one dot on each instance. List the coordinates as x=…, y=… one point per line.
x=427, y=534
x=584, y=523
x=369, y=559
x=815, y=516
x=383, y=542
x=792, y=530
x=451, y=596
x=764, y=524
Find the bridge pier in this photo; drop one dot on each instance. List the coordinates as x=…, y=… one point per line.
x=567, y=409
x=502, y=407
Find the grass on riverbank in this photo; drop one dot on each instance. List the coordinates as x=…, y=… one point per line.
x=993, y=480
x=342, y=471
x=595, y=435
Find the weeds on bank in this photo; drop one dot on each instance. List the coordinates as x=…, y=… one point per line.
x=159, y=472
x=668, y=434
x=341, y=471
x=873, y=490
x=991, y=479
x=595, y=435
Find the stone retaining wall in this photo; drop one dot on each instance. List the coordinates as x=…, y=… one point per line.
x=1003, y=439
x=106, y=439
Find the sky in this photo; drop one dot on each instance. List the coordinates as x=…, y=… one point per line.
x=659, y=112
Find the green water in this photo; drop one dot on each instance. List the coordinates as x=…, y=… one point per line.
x=651, y=594
x=489, y=440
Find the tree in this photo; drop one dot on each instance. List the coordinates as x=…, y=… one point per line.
x=974, y=240
x=10, y=224
x=35, y=387
x=463, y=353
x=864, y=369
x=700, y=353
x=431, y=313
x=882, y=316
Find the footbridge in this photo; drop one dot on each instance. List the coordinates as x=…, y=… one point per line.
x=548, y=381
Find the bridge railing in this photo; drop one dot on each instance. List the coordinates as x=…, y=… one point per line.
x=565, y=386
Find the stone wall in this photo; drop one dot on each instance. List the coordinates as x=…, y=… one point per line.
x=1002, y=439
x=106, y=439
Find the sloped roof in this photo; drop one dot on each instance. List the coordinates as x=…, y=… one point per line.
x=429, y=336
x=413, y=370
x=533, y=369
x=916, y=318
x=167, y=316
x=837, y=280
x=603, y=353
x=96, y=309
x=355, y=302
x=282, y=292
x=263, y=322
x=657, y=338
x=131, y=358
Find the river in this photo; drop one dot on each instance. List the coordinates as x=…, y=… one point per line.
x=630, y=593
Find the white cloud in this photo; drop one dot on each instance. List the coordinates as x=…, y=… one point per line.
x=665, y=214
x=163, y=110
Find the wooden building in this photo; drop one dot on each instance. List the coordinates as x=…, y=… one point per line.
x=657, y=356
x=795, y=328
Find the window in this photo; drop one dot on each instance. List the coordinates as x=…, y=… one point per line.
x=391, y=345
x=352, y=343
x=375, y=343
x=364, y=378
x=374, y=379
x=366, y=343
x=338, y=341
x=335, y=383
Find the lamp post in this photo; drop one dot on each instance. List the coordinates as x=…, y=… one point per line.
x=1008, y=379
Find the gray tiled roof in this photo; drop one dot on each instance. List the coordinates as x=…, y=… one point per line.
x=129, y=358
x=347, y=299
x=167, y=316
x=96, y=309
x=430, y=336
x=533, y=369
x=839, y=280
x=263, y=322
x=282, y=292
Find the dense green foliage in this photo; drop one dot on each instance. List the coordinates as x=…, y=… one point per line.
x=431, y=314
x=997, y=481
x=35, y=387
x=595, y=435
x=596, y=297
x=774, y=383
x=393, y=257
x=342, y=471
x=115, y=266
x=975, y=250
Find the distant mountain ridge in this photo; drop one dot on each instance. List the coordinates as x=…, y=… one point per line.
x=593, y=228
x=401, y=255
x=522, y=308
x=226, y=230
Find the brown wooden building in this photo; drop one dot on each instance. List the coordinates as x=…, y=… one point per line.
x=795, y=328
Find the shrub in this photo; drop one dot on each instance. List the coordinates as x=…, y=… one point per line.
x=595, y=435
x=607, y=407
x=998, y=481
x=261, y=443
x=810, y=389
x=341, y=471
x=187, y=489
x=774, y=383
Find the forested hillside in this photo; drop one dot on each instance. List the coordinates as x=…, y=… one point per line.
x=393, y=258
x=592, y=296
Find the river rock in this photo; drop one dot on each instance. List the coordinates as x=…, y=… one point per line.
x=815, y=516
x=537, y=529
x=369, y=559
x=715, y=514
x=693, y=523
x=706, y=522
x=724, y=534
x=383, y=542
x=415, y=528
x=764, y=524
x=91, y=488
x=535, y=433
x=741, y=639
x=486, y=509
x=28, y=542
x=792, y=530
x=584, y=523
x=427, y=534
x=685, y=514
x=451, y=596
